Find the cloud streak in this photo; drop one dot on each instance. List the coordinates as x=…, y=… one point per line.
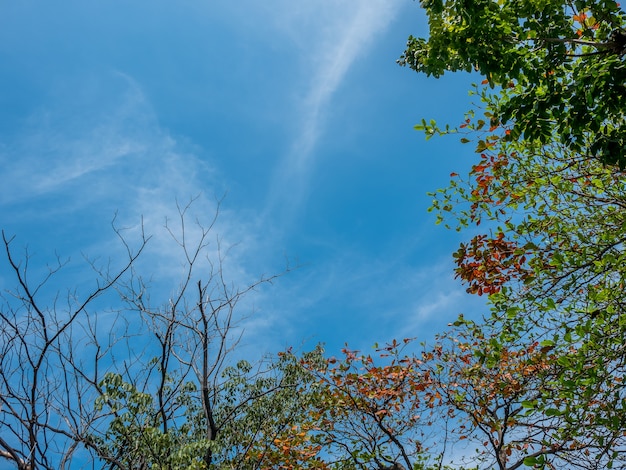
x=342, y=36
x=100, y=147
x=67, y=174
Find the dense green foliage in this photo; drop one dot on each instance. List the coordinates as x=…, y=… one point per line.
x=252, y=408
x=563, y=60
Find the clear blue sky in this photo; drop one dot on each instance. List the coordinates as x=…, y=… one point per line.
x=296, y=110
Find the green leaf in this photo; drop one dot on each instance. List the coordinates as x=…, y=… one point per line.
x=530, y=461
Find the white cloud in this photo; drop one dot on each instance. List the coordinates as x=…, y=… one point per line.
x=61, y=146
x=341, y=32
x=75, y=169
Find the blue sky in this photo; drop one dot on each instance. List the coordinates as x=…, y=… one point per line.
x=296, y=110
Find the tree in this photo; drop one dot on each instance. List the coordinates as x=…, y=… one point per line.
x=260, y=409
x=500, y=394
x=114, y=376
x=367, y=411
x=547, y=191
x=42, y=391
x=370, y=413
x=254, y=406
x=553, y=271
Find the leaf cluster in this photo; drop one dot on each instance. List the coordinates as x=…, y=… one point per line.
x=563, y=61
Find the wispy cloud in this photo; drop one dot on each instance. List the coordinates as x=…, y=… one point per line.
x=68, y=173
x=343, y=32
x=99, y=148
x=60, y=146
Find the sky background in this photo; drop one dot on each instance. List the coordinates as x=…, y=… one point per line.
x=295, y=111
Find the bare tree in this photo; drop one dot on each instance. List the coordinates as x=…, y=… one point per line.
x=38, y=377
x=86, y=377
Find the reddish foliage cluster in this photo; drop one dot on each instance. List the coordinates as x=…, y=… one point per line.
x=486, y=264
x=373, y=409
x=485, y=173
x=376, y=391
x=291, y=450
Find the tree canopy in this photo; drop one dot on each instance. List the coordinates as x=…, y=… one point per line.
x=538, y=382
x=545, y=200
x=561, y=60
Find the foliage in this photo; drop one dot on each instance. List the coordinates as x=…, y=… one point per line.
x=135, y=438
x=367, y=410
x=260, y=408
x=254, y=407
x=505, y=395
x=546, y=196
x=562, y=59
x=374, y=407
x=115, y=377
